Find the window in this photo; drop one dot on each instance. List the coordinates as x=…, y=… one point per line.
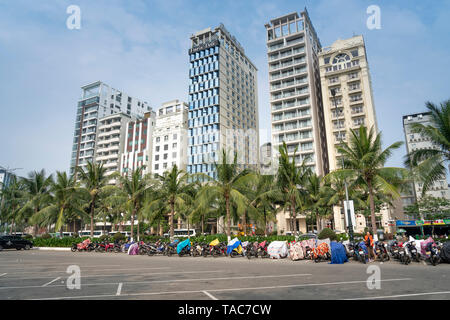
x=165, y=156
x=157, y=157
x=175, y=136
x=156, y=166
x=166, y=147
x=157, y=148
x=158, y=139
x=174, y=145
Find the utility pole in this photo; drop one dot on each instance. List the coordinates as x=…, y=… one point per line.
x=349, y=218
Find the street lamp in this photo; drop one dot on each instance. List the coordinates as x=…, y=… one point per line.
x=349, y=217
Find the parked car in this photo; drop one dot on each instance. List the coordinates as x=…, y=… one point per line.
x=309, y=235
x=14, y=242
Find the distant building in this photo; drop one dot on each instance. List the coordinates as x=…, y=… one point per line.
x=344, y=71
x=110, y=141
x=97, y=101
x=416, y=141
x=170, y=137
x=138, y=147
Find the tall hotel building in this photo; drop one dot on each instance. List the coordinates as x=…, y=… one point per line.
x=138, y=146
x=345, y=72
x=223, y=103
x=295, y=94
x=98, y=100
x=170, y=138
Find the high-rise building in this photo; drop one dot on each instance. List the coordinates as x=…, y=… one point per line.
x=110, y=141
x=295, y=93
x=345, y=73
x=97, y=101
x=137, y=151
x=223, y=103
x=415, y=141
x=170, y=137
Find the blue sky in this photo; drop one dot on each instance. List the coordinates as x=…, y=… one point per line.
x=140, y=47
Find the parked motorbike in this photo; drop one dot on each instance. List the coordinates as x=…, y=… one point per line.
x=433, y=253
x=381, y=251
x=252, y=250
x=412, y=250
x=262, y=250
x=359, y=253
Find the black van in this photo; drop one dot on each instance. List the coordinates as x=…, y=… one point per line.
x=14, y=242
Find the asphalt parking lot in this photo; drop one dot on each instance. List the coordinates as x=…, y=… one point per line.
x=43, y=275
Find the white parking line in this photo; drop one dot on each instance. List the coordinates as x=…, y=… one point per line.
x=99, y=270
x=220, y=290
x=123, y=274
x=1, y=275
x=172, y=281
x=210, y=295
x=44, y=285
x=402, y=295
x=119, y=289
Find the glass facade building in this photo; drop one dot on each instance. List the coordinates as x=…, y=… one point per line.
x=222, y=101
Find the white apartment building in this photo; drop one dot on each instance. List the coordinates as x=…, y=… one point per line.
x=170, y=137
x=295, y=97
x=97, y=101
x=416, y=141
x=110, y=142
x=138, y=147
x=344, y=71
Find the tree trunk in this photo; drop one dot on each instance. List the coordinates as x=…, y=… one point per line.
x=172, y=213
x=92, y=218
x=138, y=228
x=372, y=208
x=132, y=224
x=317, y=221
x=189, y=234
x=12, y=224
x=265, y=223
x=203, y=223
x=244, y=222
x=294, y=215
x=227, y=204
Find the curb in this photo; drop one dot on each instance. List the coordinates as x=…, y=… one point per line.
x=51, y=248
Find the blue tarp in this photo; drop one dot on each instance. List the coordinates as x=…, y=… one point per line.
x=233, y=245
x=338, y=253
x=183, y=244
x=174, y=243
x=363, y=246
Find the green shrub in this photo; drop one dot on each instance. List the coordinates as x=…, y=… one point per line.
x=118, y=236
x=27, y=237
x=45, y=236
x=327, y=233
x=104, y=237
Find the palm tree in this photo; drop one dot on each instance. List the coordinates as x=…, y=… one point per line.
x=430, y=164
x=290, y=179
x=364, y=159
x=173, y=191
x=65, y=199
x=12, y=199
x=315, y=195
x=36, y=195
x=226, y=188
x=94, y=180
x=133, y=191
x=264, y=198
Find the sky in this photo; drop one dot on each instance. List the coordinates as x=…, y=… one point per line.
x=141, y=47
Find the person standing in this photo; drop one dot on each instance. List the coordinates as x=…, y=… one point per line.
x=368, y=240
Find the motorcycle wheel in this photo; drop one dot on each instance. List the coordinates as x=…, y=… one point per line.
x=73, y=249
x=433, y=261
